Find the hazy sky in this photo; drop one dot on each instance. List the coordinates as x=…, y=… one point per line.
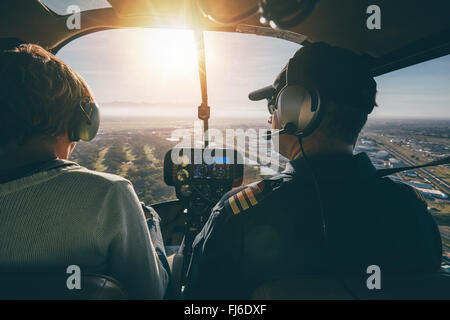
x=160, y=67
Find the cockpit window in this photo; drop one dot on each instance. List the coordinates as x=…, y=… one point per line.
x=61, y=7
x=147, y=85
x=412, y=126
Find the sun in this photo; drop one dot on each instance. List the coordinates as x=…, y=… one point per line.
x=171, y=52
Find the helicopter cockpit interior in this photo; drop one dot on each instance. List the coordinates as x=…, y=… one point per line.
x=171, y=77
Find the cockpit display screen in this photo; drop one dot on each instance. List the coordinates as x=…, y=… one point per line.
x=221, y=160
x=219, y=169
x=182, y=166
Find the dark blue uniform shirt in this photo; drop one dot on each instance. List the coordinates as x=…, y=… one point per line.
x=273, y=229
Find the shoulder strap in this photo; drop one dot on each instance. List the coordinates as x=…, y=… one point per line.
x=251, y=195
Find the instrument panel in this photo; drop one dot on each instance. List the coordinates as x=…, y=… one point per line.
x=203, y=174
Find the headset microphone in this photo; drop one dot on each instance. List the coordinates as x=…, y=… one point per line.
x=289, y=128
x=269, y=134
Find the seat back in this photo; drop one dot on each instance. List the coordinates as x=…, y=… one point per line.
x=393, y=287
x=45, y=287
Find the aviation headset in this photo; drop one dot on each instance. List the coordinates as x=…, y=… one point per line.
x=85, y=121
x=298, y=106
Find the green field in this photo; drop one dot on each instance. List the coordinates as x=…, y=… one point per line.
x=137, y=156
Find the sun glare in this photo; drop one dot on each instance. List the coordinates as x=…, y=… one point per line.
x=171, y=52
x=158, y=64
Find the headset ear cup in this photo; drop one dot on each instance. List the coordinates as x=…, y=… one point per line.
x=88, y=127
x=85, y=124
x=298, y=107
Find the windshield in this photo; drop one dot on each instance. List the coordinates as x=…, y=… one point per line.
x=147, y=85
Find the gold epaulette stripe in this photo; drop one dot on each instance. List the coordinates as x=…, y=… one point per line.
x=233, y=205
x=258, y=187
x=242, y=200
x=251, y=196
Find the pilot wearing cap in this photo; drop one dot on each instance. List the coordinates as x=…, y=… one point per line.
x=328, y=212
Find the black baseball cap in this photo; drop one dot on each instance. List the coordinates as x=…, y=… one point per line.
x=339, y=74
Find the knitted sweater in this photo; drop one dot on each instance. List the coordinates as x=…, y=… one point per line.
x=73, y=216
